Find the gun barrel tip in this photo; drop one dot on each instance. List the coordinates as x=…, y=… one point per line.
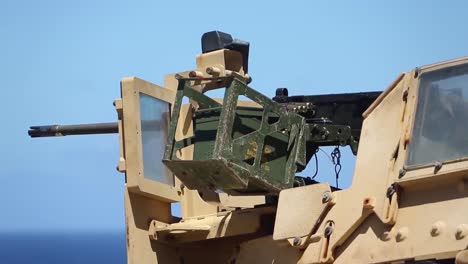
x=32, y=133
x=37, y=131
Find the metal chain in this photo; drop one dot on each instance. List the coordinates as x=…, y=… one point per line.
x=336, y=159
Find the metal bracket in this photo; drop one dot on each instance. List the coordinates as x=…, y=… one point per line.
x=240, y=150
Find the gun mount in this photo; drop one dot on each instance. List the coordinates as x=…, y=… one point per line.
x=258, y=149
x=231, y=164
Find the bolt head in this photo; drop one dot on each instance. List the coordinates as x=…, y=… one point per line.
x=402, y=234
x=437, y=228
x=297, y=241
x=390, y=191
x=386, y=236
x=328, y=231
x=402, y=172
x=326, y=197
x=462, y=231
x=437, y=166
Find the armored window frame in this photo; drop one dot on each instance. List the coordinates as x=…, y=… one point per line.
x=432, y=110
x=450, y=168
x=421, y=73
x=131, y=88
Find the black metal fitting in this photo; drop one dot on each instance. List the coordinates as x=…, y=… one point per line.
x=216, y=40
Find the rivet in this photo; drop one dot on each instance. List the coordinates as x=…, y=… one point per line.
x=402, y=234
x=462, y=231
x=437, y=228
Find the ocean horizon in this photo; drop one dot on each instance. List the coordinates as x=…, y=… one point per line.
x=63, y=247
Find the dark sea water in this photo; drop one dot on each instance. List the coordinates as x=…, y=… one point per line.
x=54, y=248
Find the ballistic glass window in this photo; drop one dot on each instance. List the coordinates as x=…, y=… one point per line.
x=439, y=132
x=154, y=115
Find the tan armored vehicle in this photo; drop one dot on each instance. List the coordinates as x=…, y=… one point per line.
x=231, y=163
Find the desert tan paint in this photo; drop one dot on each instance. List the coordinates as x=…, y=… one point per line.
x=427, y=218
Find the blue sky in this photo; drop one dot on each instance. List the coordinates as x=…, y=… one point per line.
x=61, y=62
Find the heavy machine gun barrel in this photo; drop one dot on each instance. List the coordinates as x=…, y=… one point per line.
x=81, y=129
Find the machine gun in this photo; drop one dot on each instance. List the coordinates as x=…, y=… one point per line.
x=232, y=164
x=254, y=149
